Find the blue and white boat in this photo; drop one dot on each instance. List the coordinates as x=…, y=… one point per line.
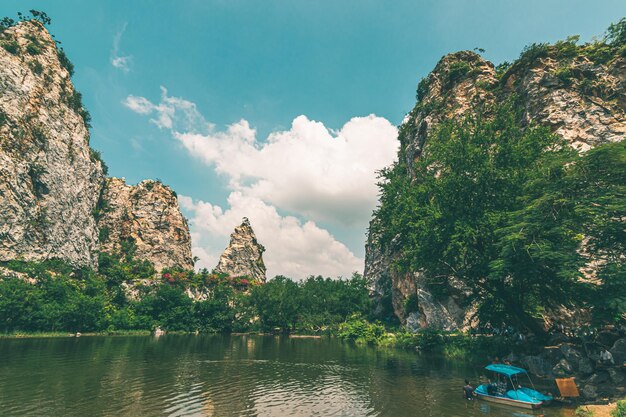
x=507, y=388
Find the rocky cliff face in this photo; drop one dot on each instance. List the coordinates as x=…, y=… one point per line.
x=244, y=255
x=580, y=95
x=49, y=177
x=51, y=181
x=147, y=215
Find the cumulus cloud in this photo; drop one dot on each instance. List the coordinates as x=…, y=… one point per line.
x=316, y=174
x=293, y=248
x=122, y=62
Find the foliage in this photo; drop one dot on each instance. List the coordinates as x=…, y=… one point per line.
x=564, y=73
x=532, y=52
x=97, y=156
x=75, y=102
x=422, y=88
x=457, y=70
x=502, y=67
x=583, y=412
x=616, y=33
x=11, y=47
x=567, y=49
x=620, y=409
x=485, y=206
x=359, y=330
x=64, y=61
x=36, y=67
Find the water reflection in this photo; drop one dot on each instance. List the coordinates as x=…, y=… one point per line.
x=230, y=376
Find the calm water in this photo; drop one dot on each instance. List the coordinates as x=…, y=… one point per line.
x=229, y=376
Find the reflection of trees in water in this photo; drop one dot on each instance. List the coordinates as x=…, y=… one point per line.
x=225, y=375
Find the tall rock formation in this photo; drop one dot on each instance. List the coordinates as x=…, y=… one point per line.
x=49, y=177
x=577, y=92
x=149, y=216
x=244, y=255
x=51, y=181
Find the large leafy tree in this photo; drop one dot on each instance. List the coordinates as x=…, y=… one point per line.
x=487, y=203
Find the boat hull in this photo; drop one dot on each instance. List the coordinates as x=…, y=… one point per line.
x=509, y=401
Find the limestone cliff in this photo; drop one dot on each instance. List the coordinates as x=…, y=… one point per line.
x=577, y=91
x=244, y=255
x=148, y=215
x=49, y=177
x=52, y=185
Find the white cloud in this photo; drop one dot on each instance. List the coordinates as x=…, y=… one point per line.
x=293, y=248
x=318, y=174
x=118, y=61
x=172, y=113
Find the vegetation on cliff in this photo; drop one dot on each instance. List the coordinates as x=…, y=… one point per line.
x=514, y=214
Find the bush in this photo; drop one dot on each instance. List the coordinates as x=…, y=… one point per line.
x=583, y=412
x=33, y=49
x=36, y=67
x=65, y=62
x=422, y=88
x=616, y=33
x=620, y=409
x=11, y=47
x=564, y=74
x=534, y=51
x=457, y=70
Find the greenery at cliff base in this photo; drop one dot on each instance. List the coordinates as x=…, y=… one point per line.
x=510, y=214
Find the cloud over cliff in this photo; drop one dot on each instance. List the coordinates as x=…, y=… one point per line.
x=287, y=184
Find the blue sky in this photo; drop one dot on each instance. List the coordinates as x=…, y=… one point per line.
x=257, y=66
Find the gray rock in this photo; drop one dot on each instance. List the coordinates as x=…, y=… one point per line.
x=244, y=255
x=589, y=392
x=536, y=365
x=616, y=375
x=562, y=369
x=148, y=213
x=49, y=180
x=619, y=351
x=585, y=366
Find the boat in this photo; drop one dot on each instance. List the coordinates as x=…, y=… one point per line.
x=507, y=389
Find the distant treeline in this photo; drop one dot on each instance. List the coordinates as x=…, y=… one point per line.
x=124, y=295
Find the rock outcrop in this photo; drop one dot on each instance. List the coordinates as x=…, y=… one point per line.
x=561, y=86
x=244, y=255
x=53, y=199
x=49, y=177
x=148, y=215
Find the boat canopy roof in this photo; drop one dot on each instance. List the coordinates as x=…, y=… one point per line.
x=505, y=369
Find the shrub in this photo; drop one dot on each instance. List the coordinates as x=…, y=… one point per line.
x=36, y=67
x=33, y=49
x=65, y=61
x=11, y=47
x=598, y=52
x=620, y=409
x=422, y=88
x=564, y=74
x=583, y=412
x=97, y=156
x=567, y=49
x=457, y=70
x=616, y=33
x=534, y=51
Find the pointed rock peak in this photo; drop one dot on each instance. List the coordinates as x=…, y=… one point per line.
x=244, y=255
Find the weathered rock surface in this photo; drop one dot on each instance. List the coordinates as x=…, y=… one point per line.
x=49, y=179
x=244, y=255
x=149, y=215
x=586, y=108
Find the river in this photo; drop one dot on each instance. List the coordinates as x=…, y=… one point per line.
x=238, y=375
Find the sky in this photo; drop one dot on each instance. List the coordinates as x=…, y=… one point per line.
x=279, y=111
